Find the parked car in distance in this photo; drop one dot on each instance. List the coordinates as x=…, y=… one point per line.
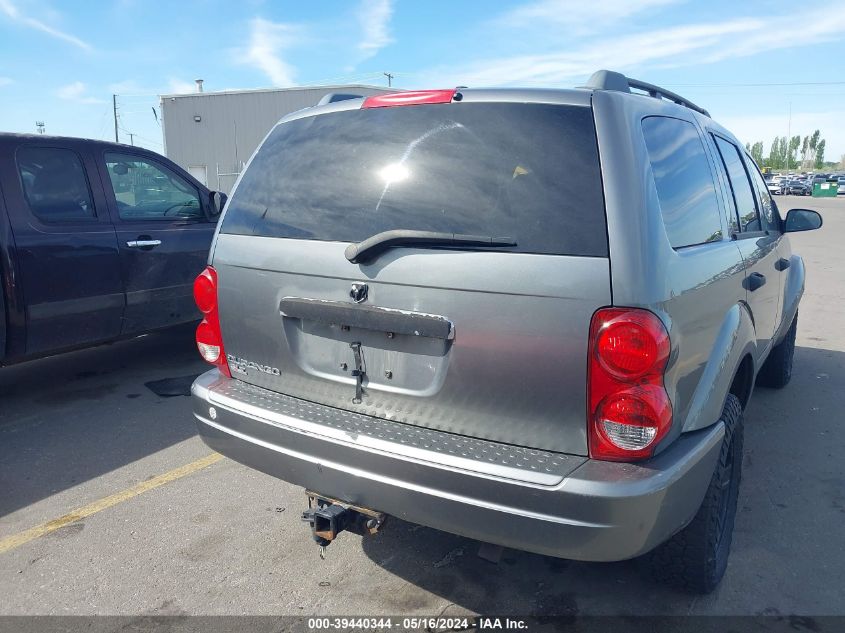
x=98, y=241
x=775, y=186
x=795, y=188
x=444, y=329
x=841, y=181
x=818, y=178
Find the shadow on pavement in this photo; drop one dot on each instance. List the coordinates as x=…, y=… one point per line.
x=791, y=506
x=70, y=418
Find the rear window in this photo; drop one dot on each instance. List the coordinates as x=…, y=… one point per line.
x=529, y=172
x=54, y=184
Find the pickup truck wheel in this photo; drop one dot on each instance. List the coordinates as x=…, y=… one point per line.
x=777, y=370
x=695, y=558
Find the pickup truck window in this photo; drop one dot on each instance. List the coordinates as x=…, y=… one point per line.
x=145, y=190
x=743, y=195
x=54, y=184
x=683, y=180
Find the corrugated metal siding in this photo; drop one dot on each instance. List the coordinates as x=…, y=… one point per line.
x=232, y=125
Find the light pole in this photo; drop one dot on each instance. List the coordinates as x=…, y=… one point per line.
x=114, y=111
x=788, y=137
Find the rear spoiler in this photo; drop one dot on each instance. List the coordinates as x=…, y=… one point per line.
x=334, y=97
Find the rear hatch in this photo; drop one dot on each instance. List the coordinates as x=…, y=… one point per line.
x=483, y=340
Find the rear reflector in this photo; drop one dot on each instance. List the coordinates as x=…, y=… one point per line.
x=413, y=97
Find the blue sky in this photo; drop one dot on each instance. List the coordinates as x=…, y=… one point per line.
x=60, y=62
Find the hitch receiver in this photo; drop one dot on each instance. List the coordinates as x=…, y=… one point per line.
x=329, y=517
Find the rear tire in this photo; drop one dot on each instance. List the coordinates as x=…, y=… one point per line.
x=776, y=372
x=695, y=559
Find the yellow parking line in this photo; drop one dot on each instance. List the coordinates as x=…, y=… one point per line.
x=16, y=540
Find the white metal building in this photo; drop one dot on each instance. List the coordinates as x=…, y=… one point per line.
x=213, y=134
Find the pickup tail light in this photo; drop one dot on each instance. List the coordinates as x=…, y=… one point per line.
x=628, y=409
x=209, y=337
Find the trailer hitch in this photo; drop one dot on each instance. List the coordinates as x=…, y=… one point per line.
x=329, y=517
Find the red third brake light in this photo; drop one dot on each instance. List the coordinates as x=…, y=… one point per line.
x=209, y=337
x=411, y=97
x=628, y=408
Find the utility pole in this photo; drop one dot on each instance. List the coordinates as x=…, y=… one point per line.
x=40, y=126
x=131, y=138
x=389, y=79
x=114, y=110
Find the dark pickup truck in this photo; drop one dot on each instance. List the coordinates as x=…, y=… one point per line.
x=98, y=241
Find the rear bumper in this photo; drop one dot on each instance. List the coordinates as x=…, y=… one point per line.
x=559, y=505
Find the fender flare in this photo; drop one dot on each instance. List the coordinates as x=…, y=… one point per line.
x=735, y=340
x=792, y=292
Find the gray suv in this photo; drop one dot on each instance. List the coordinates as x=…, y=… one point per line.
x=529, y=317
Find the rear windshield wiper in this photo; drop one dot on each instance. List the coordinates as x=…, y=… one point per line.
x=380, y=242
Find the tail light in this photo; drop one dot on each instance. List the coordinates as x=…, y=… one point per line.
x=628, y=408
x=410, y=97
x=209, y=338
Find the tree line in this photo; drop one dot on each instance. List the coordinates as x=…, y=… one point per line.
x=785, y=154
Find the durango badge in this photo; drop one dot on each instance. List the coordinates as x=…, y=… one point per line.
x=242, y=366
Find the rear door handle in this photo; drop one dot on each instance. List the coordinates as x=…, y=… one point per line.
x=143, y=243
x=782, y=264
x=755, y=281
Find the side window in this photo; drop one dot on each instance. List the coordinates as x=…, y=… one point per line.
x=54, y=184
x=684, y=181
x=768, y=208
x=743, y=195
x=145, y=190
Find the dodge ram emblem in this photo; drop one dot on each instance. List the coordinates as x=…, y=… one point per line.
x=358, y=292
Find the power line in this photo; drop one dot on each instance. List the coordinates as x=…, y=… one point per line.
x=759, y=85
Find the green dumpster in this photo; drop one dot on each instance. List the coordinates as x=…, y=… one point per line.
x=825, y=189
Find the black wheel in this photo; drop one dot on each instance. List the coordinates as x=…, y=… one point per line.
x=695, y=558
x=776, y=372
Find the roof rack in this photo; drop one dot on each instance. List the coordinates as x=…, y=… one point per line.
x=610, y=80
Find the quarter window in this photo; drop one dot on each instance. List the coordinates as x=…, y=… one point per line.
x=683, y=180
x=145, y=190
x=767, y=205
x=743, y=195
x=54, y=184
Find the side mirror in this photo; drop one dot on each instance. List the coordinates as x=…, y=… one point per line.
x=216, y=201
x=801, y=220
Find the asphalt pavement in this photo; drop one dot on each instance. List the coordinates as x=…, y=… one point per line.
x=166, y=534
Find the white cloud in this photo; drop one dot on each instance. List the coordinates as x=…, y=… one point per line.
x=76, y=92
x=770, y=35
x=663, y=47
x=575, y=16
x=374, y=20
x=5, y=81
x=15, y=15
x=266, y=43
x=180, y=86
x=677, y=46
